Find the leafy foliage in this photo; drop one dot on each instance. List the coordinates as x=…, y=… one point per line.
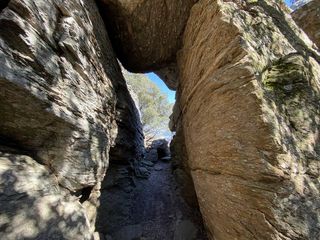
x=153, y=105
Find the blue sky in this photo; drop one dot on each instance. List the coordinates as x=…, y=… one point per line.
x=171, y=94
x=288, y=2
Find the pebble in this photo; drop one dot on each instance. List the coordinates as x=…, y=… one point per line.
x=158, y=168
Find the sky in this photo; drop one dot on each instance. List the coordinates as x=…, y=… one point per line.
x=171, y=94
x=163, y=87
x=288, y=2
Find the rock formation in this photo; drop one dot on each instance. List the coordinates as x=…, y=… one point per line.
x=246, y=116
x=129, y=142
x=299, y=3
x=146, y=208
x=249, y=100
x=33, y=206
x=308, y=18
x=161, y=148
x=146, y=34
x=63, y=100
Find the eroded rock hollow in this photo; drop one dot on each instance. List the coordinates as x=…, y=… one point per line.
x=246, y=116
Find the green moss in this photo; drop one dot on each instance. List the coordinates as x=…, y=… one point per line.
x=287, y=76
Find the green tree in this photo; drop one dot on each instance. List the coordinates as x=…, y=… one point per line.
x=153, y=105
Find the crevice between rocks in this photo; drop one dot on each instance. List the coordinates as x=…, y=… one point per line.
x=143, y=198
x=3, y=4
x=84, y=194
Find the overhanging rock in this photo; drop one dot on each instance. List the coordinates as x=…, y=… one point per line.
x=146, y=34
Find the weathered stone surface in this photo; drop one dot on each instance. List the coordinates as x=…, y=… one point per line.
x=63, y=101
x=129, y=142
x=33, y=206
x=185, y=230
x=179, y=155
x=169, y=75
x=249, y=84
x=146, y=34
x=308, y=18
x=137, y=208
x=247, y=118
x=181, y=169
x=161, y=146
x=299, y=3
x=56, y=94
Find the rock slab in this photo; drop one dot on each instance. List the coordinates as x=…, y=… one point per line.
x=249, y=109
x=63, y=100
x=308, y=18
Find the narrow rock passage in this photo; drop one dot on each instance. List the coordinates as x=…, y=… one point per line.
x=146, y=209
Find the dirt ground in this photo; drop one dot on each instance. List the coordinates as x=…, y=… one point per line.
x=146, y=208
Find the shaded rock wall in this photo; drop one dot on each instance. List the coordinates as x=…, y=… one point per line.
x=249, y=84
x=129, y=142
x=181, y=169
x=308, y=18
x=62, y=102
x=33, y=206
x=179, y=156
x=146, y=34
x=53, y=99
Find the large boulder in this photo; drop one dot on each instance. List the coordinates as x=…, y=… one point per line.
x=62, y=101
x=247, y=117
x=249, y=109
x=308, y=18
x=146, y=34
x=33, y=206
x=57, y=98
x=161, y=147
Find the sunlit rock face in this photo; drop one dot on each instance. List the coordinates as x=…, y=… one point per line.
x=62, y=102
x=308, y=18
x=249, y=108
